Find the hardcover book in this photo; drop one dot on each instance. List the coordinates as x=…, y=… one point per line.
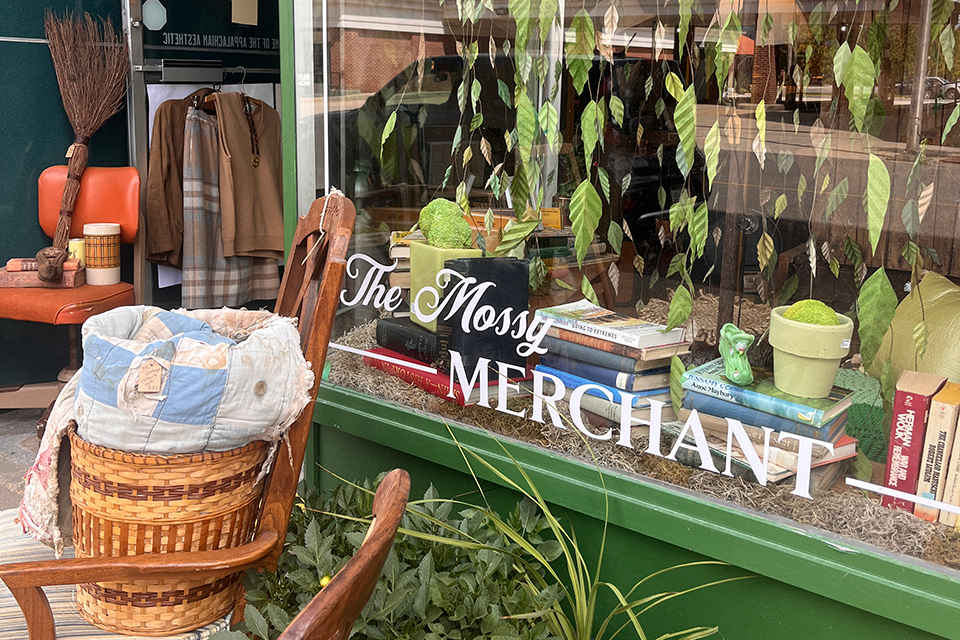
x=599, y=344
x=763, y=395
x=722, y=408
x=611, y=410
x=739, y=467
x=571, y=381
x=718, y=425
x=511, y=277
x=598, y=357
x=911, y=407
x=409, y=339
x=936, y=449
x=585, y=317
x=436, y=383
x=625, y=380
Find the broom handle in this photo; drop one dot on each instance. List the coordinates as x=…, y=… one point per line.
x=75, y=167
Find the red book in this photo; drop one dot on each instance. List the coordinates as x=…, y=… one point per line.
x=911, y=406
x=438, y=383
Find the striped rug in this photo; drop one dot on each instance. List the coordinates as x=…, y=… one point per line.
x=17, y=547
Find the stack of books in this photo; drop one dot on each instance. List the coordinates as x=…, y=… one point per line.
x=588, y=344
x=400, y=276
x=924, y=452
x=761, y=404
x=424, y=358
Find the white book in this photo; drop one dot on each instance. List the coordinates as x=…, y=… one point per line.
x=587, y=318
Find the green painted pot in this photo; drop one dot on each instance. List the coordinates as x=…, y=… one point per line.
x=425, y=263
x=806, y=356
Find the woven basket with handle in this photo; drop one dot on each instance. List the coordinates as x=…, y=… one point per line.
x=129, y=504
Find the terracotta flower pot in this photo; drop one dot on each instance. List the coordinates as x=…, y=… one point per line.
x=806, y=356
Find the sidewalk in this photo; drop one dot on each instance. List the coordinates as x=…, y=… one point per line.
x=18, y=449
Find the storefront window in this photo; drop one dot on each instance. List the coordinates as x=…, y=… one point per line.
x=701, y=168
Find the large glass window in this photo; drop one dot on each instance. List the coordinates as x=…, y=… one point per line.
x=689, y=165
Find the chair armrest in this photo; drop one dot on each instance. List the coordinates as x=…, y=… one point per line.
x=182, y=564
x=25, y=579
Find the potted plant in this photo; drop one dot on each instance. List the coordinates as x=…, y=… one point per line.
x=808, y=339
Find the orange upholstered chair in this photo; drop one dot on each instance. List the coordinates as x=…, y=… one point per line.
x=107, y=194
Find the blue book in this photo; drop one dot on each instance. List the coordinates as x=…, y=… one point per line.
x=763, y=395
x=753, y=417
x=600, y=358
x=571, y=381
x=626, y=380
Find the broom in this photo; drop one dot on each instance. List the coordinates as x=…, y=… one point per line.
x=92, y=64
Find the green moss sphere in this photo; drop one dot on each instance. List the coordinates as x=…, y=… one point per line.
x=812, y=312
x=450, y=233
x=439, y=208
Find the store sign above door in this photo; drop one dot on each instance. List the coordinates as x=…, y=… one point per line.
x=469, y=300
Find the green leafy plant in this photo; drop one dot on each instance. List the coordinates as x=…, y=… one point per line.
x=433, y=585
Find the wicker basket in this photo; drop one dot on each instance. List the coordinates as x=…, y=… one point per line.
x=129, y=504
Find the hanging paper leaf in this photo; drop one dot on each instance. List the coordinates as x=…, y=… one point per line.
x=680, y=306
x=858, y=80
x=613, y=274
x=660, y=154
x=685, y=119
x=659, y=106
x=801, y=187
x=876, y=305
x=625, y=183
x=659, y=40
x=765, y=194
x=520, y=10
x=638, y=263
x=947, y=43
x=837, y=196
x=486, y=150
x=387, y=131
x=491, y=51
x=812, y=256
x=834, y=267
x=923, y=202
x=852, y=251
x=579, y=49
x=677, y=265
x=476, y=121
x=764, y=250
x=514, y=235
x=840, y=60
x=615, y=237
x=467, y=155
x=604, y=178
x=504, y=92
x=825, y=183
x=717, y=234
x=685, y=10
x=563, y=284
x=784, y=160
x=616, y=110
x=661, y=196
x=674, y=85
x=932, y=254
x=550, y=125
x=526, y=126
x=760, y=142
x=519, y=189
x=538, y=272
x=654, y=277
x=796, y=121
x=587, y=290
x=711, y=150
x=732, y=128
x=789, y=288
x=585, y=212
x=639, y=132
x=952, y=120
x=921, y=333
x=699, y=225
x=911, y=218
x=446, y=176
x=611, y=19
x=765, y=28
x=676, y=381
x=878, y=195
x=589, y=133
x=780, y=205
x=548, y=14
x=488, y=221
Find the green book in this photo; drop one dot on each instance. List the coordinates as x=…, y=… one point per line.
x=763, y=395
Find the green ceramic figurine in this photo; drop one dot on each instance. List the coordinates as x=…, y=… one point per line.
x=733, y=347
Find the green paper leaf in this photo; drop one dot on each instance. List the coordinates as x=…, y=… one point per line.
x=512, y=237
x=760, y=142
x=387, y=131
x=563, y=284
x=699, y=228
x=780, y=205
x=520, y=10
x=876, y=305
x=674, y=85
x=476, y=121
x=538, y=272
x=911, y=218
x=504, y=92
x=589, y=133
x=488, y=221
x=615, y=237
x=685, y=119
x=947, y=43
x=952, y=120
x=526, y=126
x=921, y=334
x=587, y=290
x=658, y=107
x=676, y=381
x=580, y=46
x=789, y=288
x=801, y=187
x=661, y=196
x=549, y=9
x=604, y=178
x=840, y=60
x=625, y=183
x=550, y=125
x=858, y=79
x=784, y=160
x=878, y=196
x=616, y=110
x=711, y=149
x=837, y=196
x=764, y=250
x=680, y=307
x=585, y=212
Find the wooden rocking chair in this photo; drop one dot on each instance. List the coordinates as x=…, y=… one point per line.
x=310, y=290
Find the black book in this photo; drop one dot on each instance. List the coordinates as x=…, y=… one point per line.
x=408, y=338
x=511, y=276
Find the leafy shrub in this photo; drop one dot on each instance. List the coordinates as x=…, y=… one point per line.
x=429, y=590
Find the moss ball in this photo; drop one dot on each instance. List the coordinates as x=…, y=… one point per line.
x=436, y=209
x=812, y=312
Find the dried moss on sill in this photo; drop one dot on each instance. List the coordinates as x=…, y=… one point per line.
x=843, y=511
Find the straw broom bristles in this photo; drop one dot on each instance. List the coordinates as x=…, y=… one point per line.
x=92, y=65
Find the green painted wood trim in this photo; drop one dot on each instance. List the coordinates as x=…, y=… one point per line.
x=912, y=592
x=288, y=109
